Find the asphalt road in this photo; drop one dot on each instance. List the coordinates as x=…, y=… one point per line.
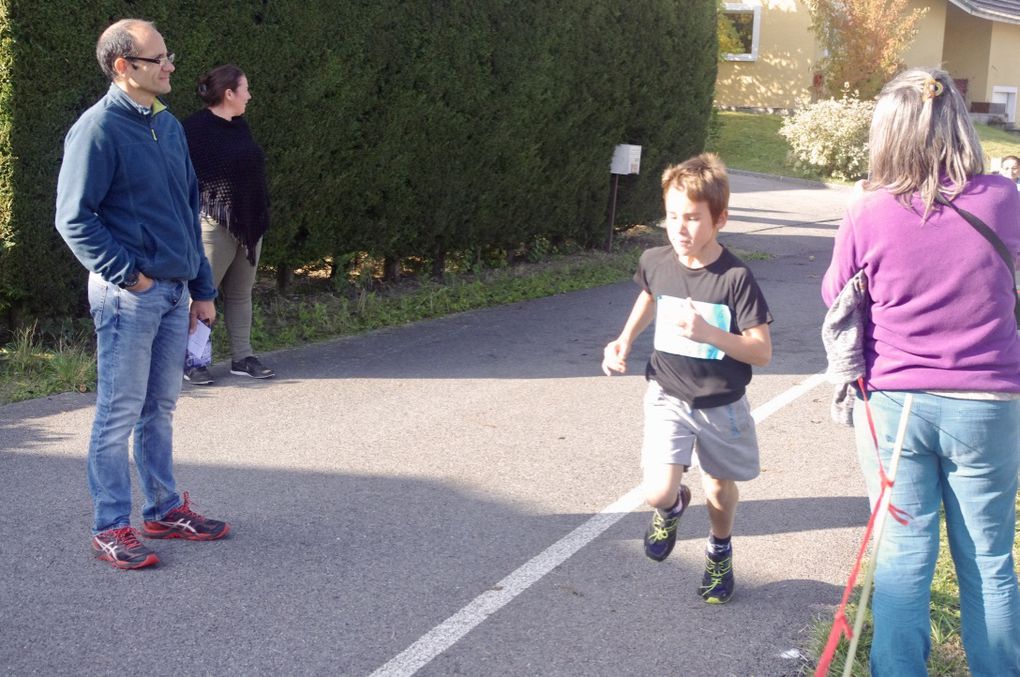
x=446, y=497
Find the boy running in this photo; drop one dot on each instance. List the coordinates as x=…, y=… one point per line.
x=711, y=325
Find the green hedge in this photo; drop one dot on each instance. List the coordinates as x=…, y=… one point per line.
x=390, y=127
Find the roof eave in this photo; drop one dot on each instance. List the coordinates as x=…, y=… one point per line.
x=983, y=13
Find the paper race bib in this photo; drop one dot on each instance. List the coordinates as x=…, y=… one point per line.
x=667, y=329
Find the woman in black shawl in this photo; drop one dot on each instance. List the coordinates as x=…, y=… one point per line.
x=235, y=207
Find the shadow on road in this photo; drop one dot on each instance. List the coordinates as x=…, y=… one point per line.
x=327, y=571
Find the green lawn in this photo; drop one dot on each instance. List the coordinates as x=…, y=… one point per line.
x=998, y=143
x=751, y=141
x=40, y=361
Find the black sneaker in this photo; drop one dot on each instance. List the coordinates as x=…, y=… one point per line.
x=199, y=376
x=250, y=366
x=661, y=535
x=121, y=548
x=183, y=522
x=717, y=584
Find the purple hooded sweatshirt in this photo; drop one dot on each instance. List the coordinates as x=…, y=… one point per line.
x=941, y=297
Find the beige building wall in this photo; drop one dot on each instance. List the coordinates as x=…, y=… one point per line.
x=781, y=75
x=926, y=49
x=983, y=52
x=1004, y=67
x=966, y=51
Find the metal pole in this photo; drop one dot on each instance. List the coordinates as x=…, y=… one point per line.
x=612, y=212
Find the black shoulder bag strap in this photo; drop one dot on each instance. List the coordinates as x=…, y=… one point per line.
x=996, y=242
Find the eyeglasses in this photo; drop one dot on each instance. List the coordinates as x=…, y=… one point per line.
x=169, y=58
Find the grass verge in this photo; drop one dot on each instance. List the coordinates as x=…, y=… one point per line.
x=28, y=368
x=35, y=364
x=947, y=656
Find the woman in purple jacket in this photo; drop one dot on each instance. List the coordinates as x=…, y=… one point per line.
x=941, y=327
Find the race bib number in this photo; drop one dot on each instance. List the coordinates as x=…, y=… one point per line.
x=667, y=327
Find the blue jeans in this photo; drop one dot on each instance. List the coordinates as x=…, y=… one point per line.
x=963, y=455
x=141, y=339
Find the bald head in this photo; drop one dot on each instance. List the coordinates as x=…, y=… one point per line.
x=119, y=40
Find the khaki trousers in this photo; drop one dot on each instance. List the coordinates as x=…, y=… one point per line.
x=234, y=277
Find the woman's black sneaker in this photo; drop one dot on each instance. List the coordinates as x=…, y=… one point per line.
x=199, y=376
x=250, y=366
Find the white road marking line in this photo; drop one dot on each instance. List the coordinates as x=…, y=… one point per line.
x=446, y=634
x=779, y=401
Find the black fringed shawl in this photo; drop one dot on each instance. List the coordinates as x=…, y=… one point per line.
x=231, y=172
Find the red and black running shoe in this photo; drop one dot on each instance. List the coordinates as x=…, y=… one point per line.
x=121, y=548
x=183, y=522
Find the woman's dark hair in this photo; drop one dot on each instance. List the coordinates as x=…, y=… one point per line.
x=213, y=85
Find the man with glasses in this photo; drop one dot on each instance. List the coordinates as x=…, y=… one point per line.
x=127, y=206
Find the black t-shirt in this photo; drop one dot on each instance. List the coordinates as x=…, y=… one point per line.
x=727, y=296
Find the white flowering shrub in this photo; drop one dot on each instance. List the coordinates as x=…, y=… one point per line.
x=831, y=136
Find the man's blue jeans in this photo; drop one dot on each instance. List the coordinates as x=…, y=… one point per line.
x=141, y=340
x=963, y=455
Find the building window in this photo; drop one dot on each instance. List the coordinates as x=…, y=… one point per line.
x=746, y=22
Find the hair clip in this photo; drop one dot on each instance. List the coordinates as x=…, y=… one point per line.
x=931, y=88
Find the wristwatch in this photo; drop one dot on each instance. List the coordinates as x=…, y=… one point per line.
x=130, y=280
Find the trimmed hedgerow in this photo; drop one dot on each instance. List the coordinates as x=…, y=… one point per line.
x=390, y=128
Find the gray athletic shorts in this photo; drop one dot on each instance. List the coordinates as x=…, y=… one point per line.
x=720, y=440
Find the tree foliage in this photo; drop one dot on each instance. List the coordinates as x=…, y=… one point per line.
x=864, y=41
x=729, y=41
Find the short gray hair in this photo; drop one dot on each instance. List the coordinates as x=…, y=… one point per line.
x=117, y=41
x=922, y=134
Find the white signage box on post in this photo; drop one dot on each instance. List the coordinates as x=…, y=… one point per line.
x=626, y=159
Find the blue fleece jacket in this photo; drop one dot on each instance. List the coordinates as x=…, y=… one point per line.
x=127, y=196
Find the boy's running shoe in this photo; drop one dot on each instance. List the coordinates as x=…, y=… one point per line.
x=661, y=535
x=717, y=584
x=121, y=548
x=183, y=522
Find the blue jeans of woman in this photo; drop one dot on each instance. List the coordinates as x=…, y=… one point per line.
x=962, y=455
x=140, y=343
